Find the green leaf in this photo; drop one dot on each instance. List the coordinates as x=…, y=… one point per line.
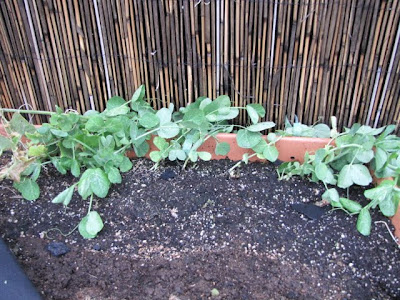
x=248, y=139
x=65, y=196
x=356, y=173
x=331, y=195
x=59, y=133
x=75, y=168
x=5, y=144
x=36, y=171
x=82, y=229
x=252, y=114
x=361, y=175
x=222, y=148
x=99, y=183
x=195, y=116
x=91, y=225
x=228, y=113
x=37, y=150
x=381, y=192
x=220, y=101
x=160, y=143
x=387, y=206
x=138, y=95
x=381, y=156
x=365, y=156
x=177, y=154
x=164, y=115
x=135, y=132
x=19, y=124
x=260, y=126
x=125, y=165
x=116, y=106
x=193, y=156
x=258, y=108
x=350, y=205
x=58, y=165
x=168, y=130
x=155, y=156
x=364, y=222
x=114, y=176
x=114, y=125
x=149, y=120
x=272, y=137
x=28, y=188
x=84, y=187
x=204, y=155
x=322, y=131
x=204, y=103
x=94, y=124
x=271, y=153
x=321, y=171
x=141, y=149
x=260, y=147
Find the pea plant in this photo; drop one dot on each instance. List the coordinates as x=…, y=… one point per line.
x=92, y=146
x=344, y=162
x=299, y=129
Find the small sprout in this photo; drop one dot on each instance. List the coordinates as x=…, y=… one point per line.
x=214, y=292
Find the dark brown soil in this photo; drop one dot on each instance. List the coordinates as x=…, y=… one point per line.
x=182, y=237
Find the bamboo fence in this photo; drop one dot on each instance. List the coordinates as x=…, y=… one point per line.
x=306, y=58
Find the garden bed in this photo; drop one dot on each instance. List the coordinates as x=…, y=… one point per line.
x=173, y=234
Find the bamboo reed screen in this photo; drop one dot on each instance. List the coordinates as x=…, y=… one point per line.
x=310, y=58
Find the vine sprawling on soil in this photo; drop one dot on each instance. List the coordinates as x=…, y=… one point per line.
x=92, y=148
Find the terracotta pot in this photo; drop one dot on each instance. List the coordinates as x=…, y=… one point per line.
x=290, y=148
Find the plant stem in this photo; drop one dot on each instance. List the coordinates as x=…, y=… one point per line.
x=90, y=203
x=27, y=111
x=83, y=144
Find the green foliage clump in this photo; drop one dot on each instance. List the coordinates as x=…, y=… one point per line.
x=92, y=146
x=345, y=162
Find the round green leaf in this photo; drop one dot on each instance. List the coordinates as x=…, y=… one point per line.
x=387, y=206
x=149, y=120
x=99, y=183
x=125, y=165
x=91, y=225
x=271, y=153
x=222, y=148
x=114, y=176
x=155, y=156
x=168, y=130
x=165, y=115
x=28, y=188
x=361, y=175
x=321, y=171
x=322, y=131
x=204, y=155
x=248, y=139
x=37, y=150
